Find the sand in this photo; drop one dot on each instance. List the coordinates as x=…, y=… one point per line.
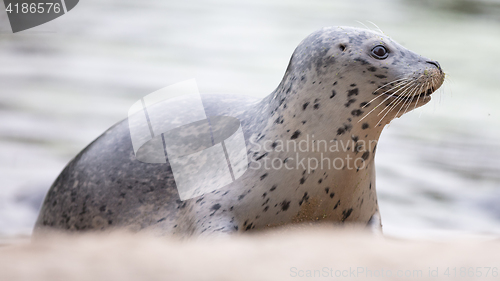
x=298, y=254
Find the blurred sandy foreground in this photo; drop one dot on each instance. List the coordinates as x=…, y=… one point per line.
x=299, y=254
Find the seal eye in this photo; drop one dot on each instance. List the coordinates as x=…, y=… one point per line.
x=380, y=52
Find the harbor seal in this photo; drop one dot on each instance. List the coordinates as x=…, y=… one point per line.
x=311, y=145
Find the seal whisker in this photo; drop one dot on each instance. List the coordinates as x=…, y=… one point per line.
x=434, y=83
x=400, y=84
x=406, y=83
x=402, y=98
x=394, y=103
x=409, y=103
x=408, y=93
x=364, y=25
x=397, y=80
x=418, y=96
x=376, y=27
x=388, y=97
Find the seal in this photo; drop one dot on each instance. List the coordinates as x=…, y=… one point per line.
x=310, y=144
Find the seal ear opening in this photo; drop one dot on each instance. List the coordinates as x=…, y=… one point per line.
x=342, y=47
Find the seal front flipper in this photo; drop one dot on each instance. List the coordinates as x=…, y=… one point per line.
x=375, y=224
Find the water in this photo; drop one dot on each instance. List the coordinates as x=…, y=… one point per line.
x=64, y=83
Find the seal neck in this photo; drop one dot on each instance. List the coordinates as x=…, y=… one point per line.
x=301, y=106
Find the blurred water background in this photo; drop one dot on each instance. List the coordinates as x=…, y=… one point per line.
x=63, y=83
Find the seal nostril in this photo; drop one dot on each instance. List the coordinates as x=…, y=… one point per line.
x=436, y=64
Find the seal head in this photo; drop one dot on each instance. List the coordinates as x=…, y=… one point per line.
x=388, y=79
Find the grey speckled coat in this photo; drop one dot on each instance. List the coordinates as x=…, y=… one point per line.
x=342, y=86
